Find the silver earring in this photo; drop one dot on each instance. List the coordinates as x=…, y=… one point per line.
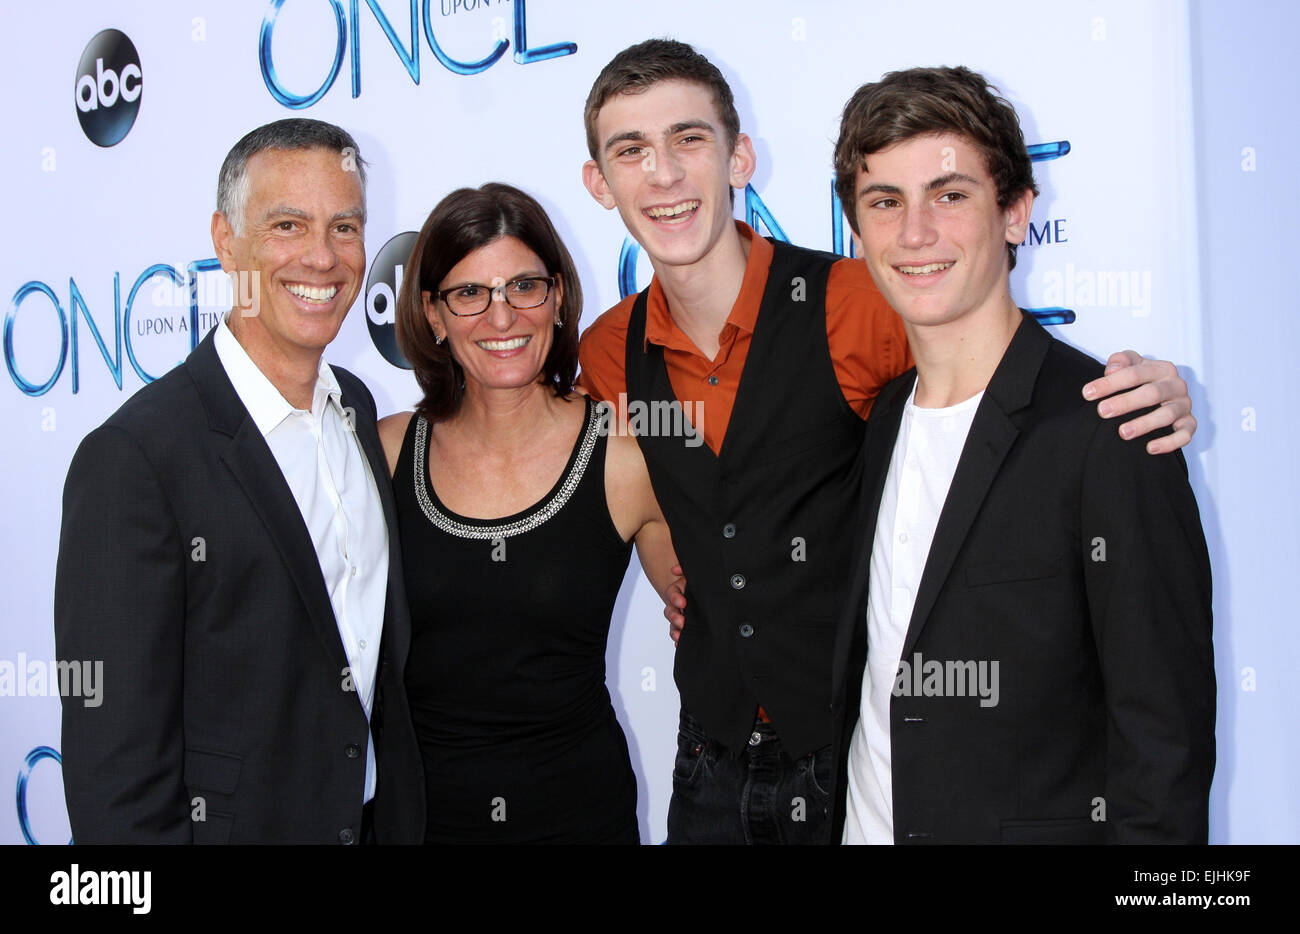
x=438, y=339
x=559, y=323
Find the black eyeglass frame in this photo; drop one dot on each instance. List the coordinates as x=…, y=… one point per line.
x=442, y=294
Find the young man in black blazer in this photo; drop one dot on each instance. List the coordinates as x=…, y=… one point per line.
x=229, y=551
x=1025, y=655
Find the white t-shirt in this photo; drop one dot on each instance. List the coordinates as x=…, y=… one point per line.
x=929, y=444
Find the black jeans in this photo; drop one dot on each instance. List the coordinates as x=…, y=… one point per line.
x=758, y=795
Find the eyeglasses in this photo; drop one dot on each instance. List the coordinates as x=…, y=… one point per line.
x=474, y=299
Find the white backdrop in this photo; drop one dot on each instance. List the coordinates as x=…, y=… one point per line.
x=1114, y=241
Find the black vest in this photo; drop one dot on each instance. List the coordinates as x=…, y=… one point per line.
x=762, y=529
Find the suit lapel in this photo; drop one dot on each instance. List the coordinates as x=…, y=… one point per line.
x=878, y=446
x=253, y=465
x=258, y=474
x=882, y=433
x=992, y=434
x=397, y=626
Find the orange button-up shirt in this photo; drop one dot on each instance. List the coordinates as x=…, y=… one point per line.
x=867, y=343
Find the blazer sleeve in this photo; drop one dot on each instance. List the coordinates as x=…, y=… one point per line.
x=119, y=599
x=1147, y=574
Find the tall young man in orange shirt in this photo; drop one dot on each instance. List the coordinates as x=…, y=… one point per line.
x=781, y=352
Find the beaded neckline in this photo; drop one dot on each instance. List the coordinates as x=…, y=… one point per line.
x=531, y=518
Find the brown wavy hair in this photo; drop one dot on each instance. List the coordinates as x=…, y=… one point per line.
x=925, y=101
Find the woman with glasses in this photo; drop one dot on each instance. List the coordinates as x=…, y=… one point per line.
x=517, y=513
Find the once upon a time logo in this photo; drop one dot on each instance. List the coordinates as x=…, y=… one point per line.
x=404, y=32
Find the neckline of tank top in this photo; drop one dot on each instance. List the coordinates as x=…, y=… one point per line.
x=506, y=526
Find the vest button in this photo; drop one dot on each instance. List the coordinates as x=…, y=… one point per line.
x=746, y=630
x=346, y=837
x=352, y=750
x=729, y=531
x=713, y=381
x=738, y=581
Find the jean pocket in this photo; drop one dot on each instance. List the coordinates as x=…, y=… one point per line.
x=816, y=767
x=691, y=749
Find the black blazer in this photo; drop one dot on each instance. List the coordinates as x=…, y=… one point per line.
x=186, y=567
x=1076, y=561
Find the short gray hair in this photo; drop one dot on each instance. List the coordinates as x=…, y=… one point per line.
x=290, y=134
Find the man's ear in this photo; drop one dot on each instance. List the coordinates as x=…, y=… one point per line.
x=223, y=236
x=594, y=179
x=743, y=161
x=1017, y=215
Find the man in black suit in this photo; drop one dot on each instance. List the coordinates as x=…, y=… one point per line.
x=229, y=551
x=1025, y=655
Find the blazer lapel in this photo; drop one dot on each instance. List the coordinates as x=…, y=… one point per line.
x=255, y=468
x=882, y=433
x=397, y=621
x=992, y=434
x=877, y=448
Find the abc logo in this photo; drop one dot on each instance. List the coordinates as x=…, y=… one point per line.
x=108, y=88
x=382, y=288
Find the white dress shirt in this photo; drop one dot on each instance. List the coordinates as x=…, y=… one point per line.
x=321, y=458
x=929, y=444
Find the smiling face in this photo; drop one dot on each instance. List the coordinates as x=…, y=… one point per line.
x=300, y=258
x=932, y=233
x=504, y=347
x=666, y=164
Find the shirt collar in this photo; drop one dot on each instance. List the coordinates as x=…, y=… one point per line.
x=266, y=406
x=660, y=327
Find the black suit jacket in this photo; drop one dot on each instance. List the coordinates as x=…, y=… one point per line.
x=1076, y=561
x=186, y=567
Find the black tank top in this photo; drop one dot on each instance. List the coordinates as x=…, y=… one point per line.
x=506, y=674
